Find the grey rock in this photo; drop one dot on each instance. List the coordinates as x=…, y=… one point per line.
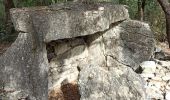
x=149, y=67
x=166, y=77
x=94, y=48
x=24, y=70
x=69, y=55
x=67, y=20
x=130, y=43
x=107, y=51
x=164, y=64
x=155, y=94
x=138, y=42
x=159, y=55
x=96, y=83
x=167, y=96
x=147, y=75
x=158, y=49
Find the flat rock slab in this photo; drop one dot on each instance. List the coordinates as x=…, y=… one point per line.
x=68, y=20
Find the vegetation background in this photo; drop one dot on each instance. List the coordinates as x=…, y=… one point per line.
x=148, y=11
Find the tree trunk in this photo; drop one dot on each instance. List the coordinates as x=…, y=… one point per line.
x=8, y=24
x=141, y=9
x=168, y=28
x=166, y=8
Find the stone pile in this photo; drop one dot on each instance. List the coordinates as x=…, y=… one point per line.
x=157, y=79
x=70, y=52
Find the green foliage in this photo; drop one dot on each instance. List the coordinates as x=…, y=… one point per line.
x=154, y=15
x=132, y=7
x=2, y=16
x=28, y=3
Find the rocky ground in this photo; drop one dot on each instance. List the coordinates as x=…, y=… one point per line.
x=156, y=74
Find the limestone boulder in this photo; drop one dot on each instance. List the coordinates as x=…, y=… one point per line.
x=129, y=42
x=68, y=20
x=121, y=83
x=24, y=71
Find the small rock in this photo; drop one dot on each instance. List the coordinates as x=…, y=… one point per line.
x=157, y=78
x=161, y=72
x=158, y=49
x=145, y=75
x=154, y=93
x=166, y=78
x=148, y=66
x=158, y=67
x=101, y=8
x=155, y=84
x=168, y=87
x=167, y=96
x=164, y=63
x=159, y=55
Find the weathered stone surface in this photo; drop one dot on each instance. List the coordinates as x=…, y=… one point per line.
x=68, y=20
x=167, y=97
x=138, y=43
x=148, y=67
x=93, y=54
x=24, y=71
x=130, y=43
x=106, y=55
x=63, y=69
x=97, y=83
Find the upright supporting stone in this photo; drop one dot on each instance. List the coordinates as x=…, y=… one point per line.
x=24, y=71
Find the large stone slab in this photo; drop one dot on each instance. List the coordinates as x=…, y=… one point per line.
x=24, y=71
x=68, y=20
